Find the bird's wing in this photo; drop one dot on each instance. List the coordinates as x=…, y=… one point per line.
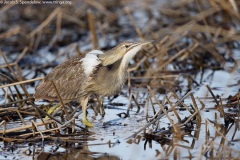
x=68, y=78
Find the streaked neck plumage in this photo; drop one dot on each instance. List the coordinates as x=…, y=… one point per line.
x=108, y=70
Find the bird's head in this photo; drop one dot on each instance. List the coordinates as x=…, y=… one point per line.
x=125, y=51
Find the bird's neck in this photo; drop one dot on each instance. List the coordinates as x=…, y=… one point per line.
x=122, y=64
x=128, y=56
x=118, y=71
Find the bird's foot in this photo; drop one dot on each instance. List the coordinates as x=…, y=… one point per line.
x=86, y=122
x=51, y=110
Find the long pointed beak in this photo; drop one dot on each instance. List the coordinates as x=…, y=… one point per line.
x=139, y=44
x=146, y=42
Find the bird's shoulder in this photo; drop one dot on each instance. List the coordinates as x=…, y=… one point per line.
x=68, y=70
x=66, y=77
x=69, y=77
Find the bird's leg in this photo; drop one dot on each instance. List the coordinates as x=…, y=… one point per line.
x=84, y=102
x=100, y=105
x=52, y=109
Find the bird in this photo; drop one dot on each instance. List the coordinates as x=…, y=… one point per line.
x=98, y=73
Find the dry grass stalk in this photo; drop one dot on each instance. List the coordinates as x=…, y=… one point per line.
x=45, y=22
x=5, y=65
x=92, y=29
x=217, y=131
x=58, y=24
x=15, y=76
x=164, y=111
x=174, y=110
x=176, y=56
x=36, y=128
x=100, y=7
x=22, y=82
x=215, y=99
x=10, y=32
x=25, y=127
x=4, y=8
x=139, y=33
x=22, y=54
x=61, y=101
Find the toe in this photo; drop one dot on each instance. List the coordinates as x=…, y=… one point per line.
x=87, y=123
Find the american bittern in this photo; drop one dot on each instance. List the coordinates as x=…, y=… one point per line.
x=99, y=73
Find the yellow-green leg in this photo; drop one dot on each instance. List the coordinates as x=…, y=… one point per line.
x=84, y=102
x=52, y=109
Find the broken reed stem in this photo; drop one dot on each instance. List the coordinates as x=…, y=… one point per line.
x=24, y=127
x=206, y=132
x=15, y=76
x=174, y=110
x=139, y=33
x=215, y=99
x=10, y=32
x=187, y=108
x=203, y=105
x=189, y=118
x=44, y=131
x=19, y=114
x=21, y=78
x=92, y=29
x=138, y=64
x=200, y=153
x=71, y=120
x=17, y=101
x=129, y=103
x=101, y=8
x=133, y=69
x=164, y=111
x=58, y=24
x=10, y=68
x=194, y=103
x=9, y=64
x=217, y=130
x=221, y=110
x=22, y=54
x=36, y=127
x=61, y=101
x=22, y=82
x=203, y=18
x=44, y=113
x=198, y=117
x=4, y=8
x=176, y=56
x=33, y=129
x=45, y=22
x=136, y=102
x=156, y=114
x=40, y=117
x=152, y=104
x=160, y=116
x=4, y=126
